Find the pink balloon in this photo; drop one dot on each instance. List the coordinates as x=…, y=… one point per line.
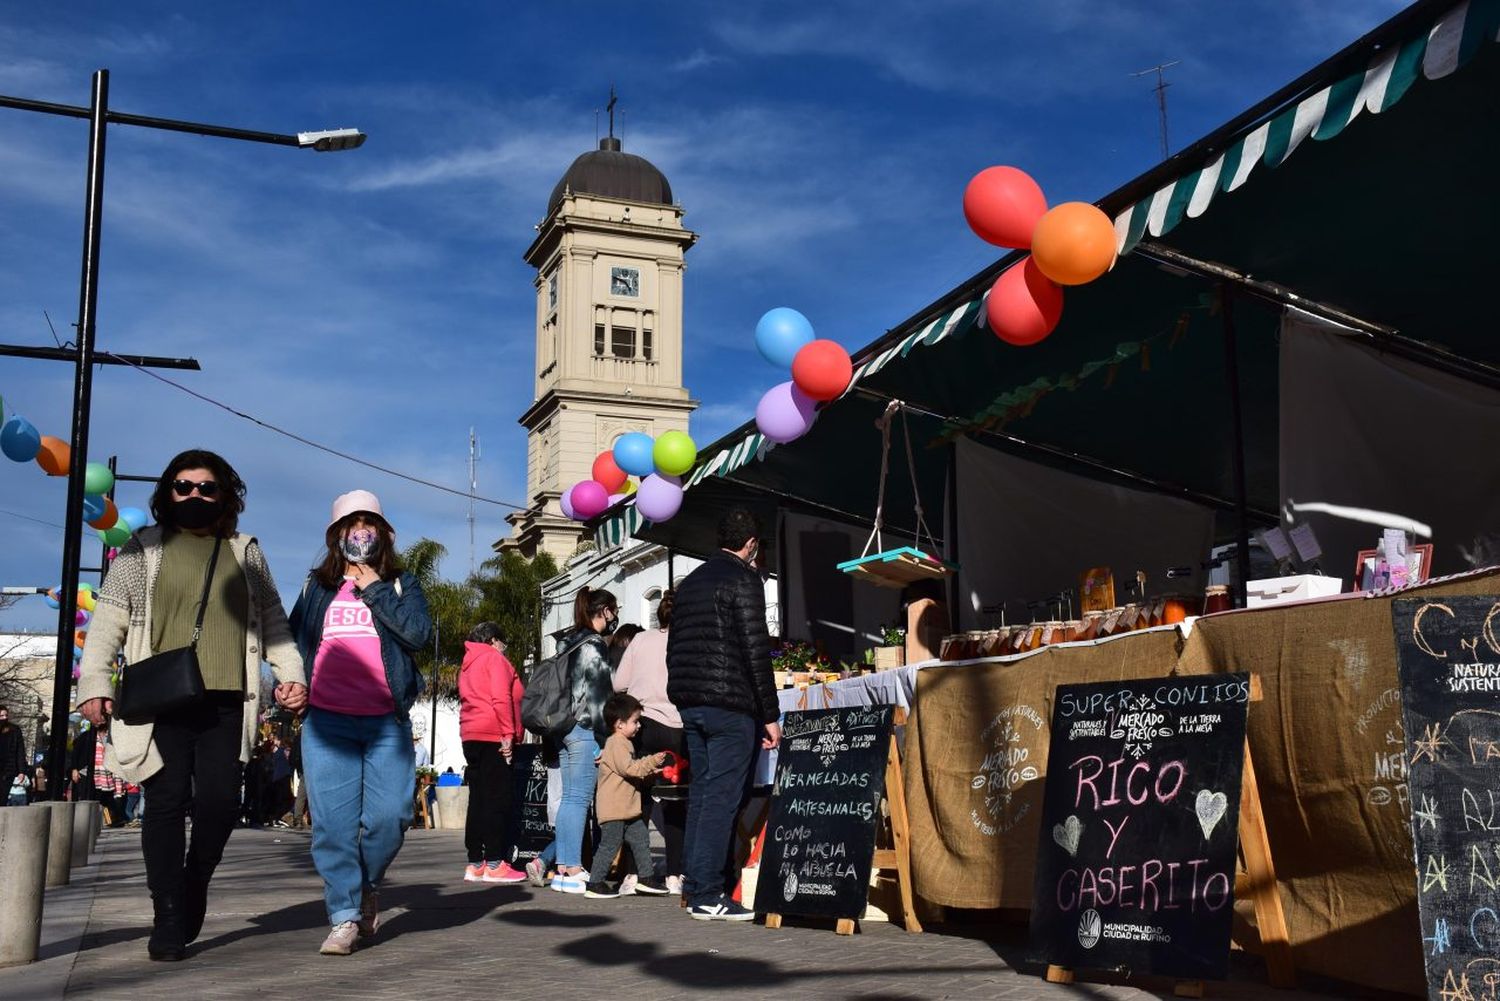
x=785, y=413
x=1003, y=205
x=1025, y=305
x=659, y=497
x=566, y=500
x=589, y=499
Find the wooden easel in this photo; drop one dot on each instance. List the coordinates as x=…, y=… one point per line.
x=1257, y=881
x=896, y=859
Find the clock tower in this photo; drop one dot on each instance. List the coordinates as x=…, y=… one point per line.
x=609, y=258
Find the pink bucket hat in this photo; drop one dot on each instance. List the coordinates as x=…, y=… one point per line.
x=353, y=501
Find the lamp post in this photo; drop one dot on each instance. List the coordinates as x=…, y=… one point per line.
x=99, y=117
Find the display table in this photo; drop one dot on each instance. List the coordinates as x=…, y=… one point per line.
x=1326, y=741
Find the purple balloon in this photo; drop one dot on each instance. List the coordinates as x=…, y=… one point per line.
x=566, y=500
x=785, y=413
x=589, y=499
x=659, y=497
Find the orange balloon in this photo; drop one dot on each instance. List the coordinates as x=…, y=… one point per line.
x=108, y=518
x=1074, y=243
x=53, y=456
x=79, y=636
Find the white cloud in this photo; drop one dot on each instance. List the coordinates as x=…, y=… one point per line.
x=698, y=59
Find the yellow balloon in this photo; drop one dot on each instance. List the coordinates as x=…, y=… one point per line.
x=629, y=488
x=86, y=600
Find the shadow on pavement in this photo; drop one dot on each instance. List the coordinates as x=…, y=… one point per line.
x=536, y=918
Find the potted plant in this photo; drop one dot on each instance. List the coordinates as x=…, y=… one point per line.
x=892, y=651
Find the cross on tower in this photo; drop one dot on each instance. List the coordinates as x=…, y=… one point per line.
x=610, y=107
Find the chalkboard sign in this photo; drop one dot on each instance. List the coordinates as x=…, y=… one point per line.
x=1140, y=822
x=1448, y=655
x=820, y=830
x=529, y=830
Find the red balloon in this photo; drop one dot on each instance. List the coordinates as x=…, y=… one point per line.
x=608, y=474
x=822, y=370
x=1024, y=305
x=1003, y=206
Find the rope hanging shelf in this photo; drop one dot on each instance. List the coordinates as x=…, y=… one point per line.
x=905, y=565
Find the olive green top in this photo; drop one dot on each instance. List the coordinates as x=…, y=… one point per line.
x=221, y=647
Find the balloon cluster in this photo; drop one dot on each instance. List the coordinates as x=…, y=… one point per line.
x=21, y=442
x=1071, y=244
x=87, y=602
x=821, y=371
x=659, y=464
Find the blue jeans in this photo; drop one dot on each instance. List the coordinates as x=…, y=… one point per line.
x=361, y=776
x=721, y=748
x=577, y=757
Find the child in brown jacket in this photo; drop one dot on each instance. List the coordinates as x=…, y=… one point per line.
x=617, y=802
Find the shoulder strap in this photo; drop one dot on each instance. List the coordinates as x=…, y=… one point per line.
x=208, y=579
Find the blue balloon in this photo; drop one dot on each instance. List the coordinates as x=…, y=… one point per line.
x=19, y=440
x=134, y=517
x=781, y=333
x=634, y=453
x=93, y=507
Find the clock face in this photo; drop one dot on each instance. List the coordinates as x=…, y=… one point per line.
x=552, y=292
x=624, y=281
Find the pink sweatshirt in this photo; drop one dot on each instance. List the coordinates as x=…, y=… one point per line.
x=490, y=696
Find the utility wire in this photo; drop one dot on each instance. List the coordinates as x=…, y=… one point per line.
x=309, y=442
x=27, y=517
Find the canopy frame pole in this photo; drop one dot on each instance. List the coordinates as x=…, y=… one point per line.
x=1087, y=462
x=1237, y=418
x=1386, y=338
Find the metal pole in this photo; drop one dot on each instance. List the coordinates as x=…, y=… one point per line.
x=88, y=306
x=1241, y=501
x=432, y=736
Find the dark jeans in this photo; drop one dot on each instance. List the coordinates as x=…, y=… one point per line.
x=491, y=786
x=200, y=752
x=633, y=833
x=721, y=746
x=653, y=737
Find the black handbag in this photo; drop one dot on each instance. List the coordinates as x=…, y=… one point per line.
x=168, y=680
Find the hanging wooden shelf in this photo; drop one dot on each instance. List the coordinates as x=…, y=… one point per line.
x=897, y=567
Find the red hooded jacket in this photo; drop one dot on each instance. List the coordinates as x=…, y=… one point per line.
x=490, y=695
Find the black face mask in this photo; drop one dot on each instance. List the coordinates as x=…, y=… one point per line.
x=195, y=513
x=610, y=627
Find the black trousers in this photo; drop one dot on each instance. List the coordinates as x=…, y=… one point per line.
x=199, y=777
x=491, y=788
x=653, y=737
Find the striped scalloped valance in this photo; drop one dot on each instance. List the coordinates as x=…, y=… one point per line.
x=1446, y=46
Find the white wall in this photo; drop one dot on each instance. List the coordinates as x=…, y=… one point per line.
x=450, y=749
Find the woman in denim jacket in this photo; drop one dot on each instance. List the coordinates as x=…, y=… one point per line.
x=357, y=623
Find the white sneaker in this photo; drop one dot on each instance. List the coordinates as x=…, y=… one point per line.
x=340, y=941
x=627, y=885
x=536, y=871
x=674, y=885
x=575, y=883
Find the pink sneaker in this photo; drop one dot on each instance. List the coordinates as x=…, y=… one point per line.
x=474, y=872
x=503, y=873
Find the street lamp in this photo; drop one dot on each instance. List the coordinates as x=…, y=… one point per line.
x=99, y=116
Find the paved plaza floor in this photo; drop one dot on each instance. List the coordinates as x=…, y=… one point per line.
x=443, y=938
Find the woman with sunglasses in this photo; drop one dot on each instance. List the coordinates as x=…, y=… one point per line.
x=358, y=622
x=596, y=613
x=189, y=761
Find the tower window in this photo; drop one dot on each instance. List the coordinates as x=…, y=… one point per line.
x=622, y=342
x=646, y=344
x=599, y=339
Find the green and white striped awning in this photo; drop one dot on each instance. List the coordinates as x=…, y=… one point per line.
x=1445, y=47
x=1449, y=44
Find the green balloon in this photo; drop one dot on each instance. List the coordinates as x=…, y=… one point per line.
x=116, y=535
x=674, y=453
x=97, y=479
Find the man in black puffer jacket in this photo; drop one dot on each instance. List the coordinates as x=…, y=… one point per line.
x=719, y=678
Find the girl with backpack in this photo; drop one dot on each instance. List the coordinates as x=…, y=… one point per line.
x=596, y=613
x=358, y=623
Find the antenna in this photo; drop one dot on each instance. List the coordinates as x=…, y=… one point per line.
x=1161, y=98
x=473, y=489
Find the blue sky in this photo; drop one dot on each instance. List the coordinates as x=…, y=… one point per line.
x=377, y=301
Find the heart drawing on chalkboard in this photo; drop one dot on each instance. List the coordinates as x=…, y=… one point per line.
x=1211, y=807
x=1067, y=834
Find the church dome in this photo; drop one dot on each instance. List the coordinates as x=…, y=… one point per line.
x=612, y=173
